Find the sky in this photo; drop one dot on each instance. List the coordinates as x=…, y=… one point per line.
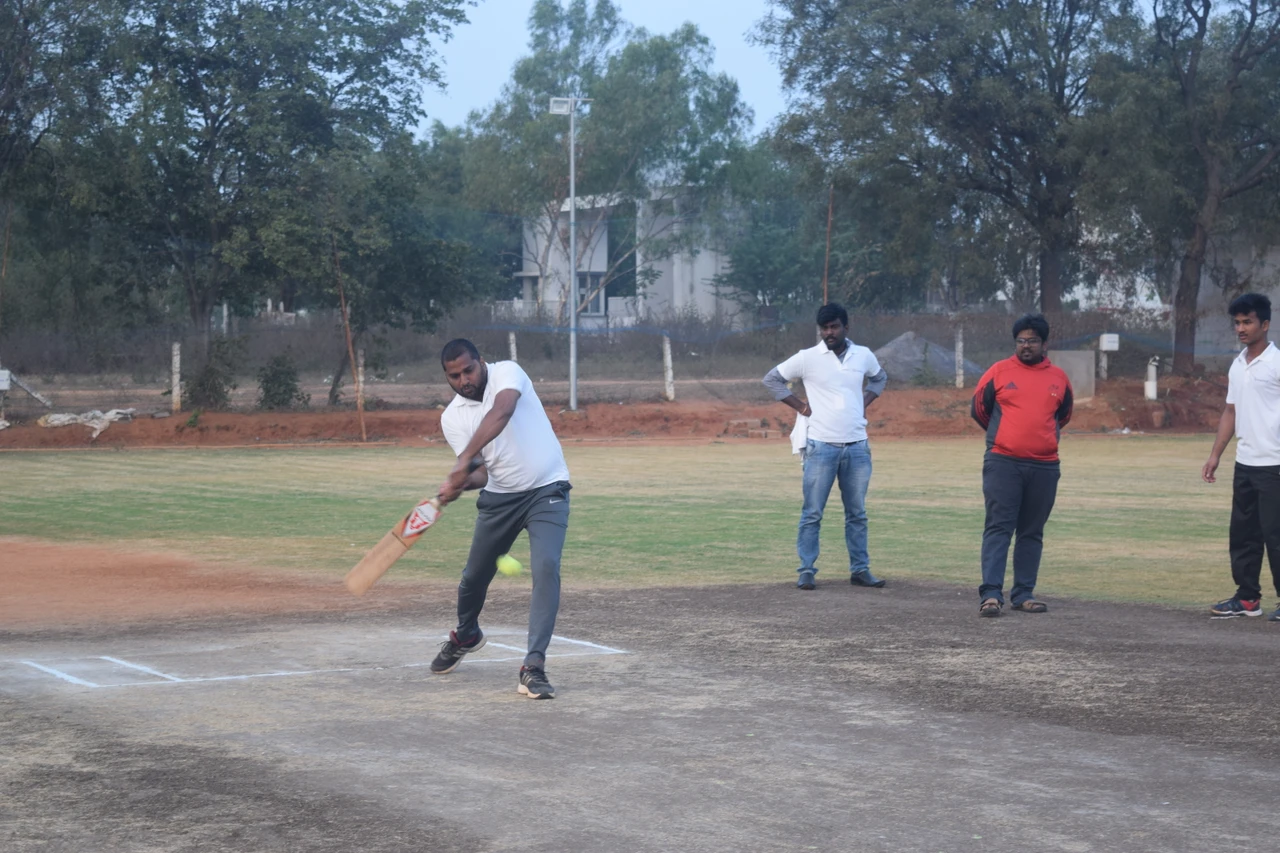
x=477, y=61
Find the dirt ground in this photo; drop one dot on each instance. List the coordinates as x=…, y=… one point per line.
x=1188, y=406
x=752, y=718
x=743, y=718
x=50, y=587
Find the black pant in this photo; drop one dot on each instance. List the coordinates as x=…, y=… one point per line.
x=1255, y=524
x=1019, y=495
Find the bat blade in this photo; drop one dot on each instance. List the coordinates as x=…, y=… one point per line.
x=391, y=547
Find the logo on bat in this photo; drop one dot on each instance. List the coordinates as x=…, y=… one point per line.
x=423, y=516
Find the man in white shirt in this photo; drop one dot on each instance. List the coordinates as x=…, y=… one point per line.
x=840, y=379
x=1252, y=414
x=497, y=420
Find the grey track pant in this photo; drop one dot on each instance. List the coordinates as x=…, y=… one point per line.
x=544, y=513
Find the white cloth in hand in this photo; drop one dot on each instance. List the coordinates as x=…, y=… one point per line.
x=800, y=436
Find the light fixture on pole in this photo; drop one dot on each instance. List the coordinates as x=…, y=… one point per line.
x=569, y=107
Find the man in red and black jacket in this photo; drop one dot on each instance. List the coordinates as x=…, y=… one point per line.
x=1022, y=402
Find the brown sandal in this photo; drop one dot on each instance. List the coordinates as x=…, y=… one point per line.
x=1031, y=606
x=990, y=607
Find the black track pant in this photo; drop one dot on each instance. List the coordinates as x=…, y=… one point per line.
x=1019, y=496
x=1255, y=525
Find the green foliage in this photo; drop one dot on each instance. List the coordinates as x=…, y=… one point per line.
x=650, y=145
x=935, y=102
x=1222, y=62
x=772, y=225
x=158, y=159
x=278, y=386
x=210, y=388
x=357, y=216
x=227, y=101
x=770, y=230
x=58, y=59
x=158, y=203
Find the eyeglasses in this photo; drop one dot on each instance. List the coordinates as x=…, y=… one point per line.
x=1027, y=342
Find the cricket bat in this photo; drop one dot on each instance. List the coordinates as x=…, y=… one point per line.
x=398, y=540
x=392, y=547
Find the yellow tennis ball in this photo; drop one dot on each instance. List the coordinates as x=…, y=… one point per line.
x=509, y=565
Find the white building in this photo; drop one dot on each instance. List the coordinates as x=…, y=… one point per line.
x=673, y=274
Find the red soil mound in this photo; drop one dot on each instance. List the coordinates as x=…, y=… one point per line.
x=1185, y=406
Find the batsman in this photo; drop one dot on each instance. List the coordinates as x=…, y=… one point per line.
x=496, y=417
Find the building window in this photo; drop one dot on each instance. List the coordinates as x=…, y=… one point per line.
x=589, y=285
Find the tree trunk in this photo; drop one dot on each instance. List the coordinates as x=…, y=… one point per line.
x=1186, y=301
x=1051, y=264
x=1187, y=298
x=335, y=393
x=201, y=311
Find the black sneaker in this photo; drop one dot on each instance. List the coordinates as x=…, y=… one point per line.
x=534, y=684
x=452, y=652
x=1275, y=616
x=1233, y=607
x=865, y=578
x=806, y=581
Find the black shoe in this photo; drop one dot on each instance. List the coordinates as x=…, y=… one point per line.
x=865, y=578
x=1275, y=615
x=534, y=684
x=806, y=581
x=1233, y=607
x=452, y=652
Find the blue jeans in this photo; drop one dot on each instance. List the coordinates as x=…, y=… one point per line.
x=824, y=464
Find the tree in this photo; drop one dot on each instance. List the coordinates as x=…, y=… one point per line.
x=55, y=58
x=230, y=100
x=1225, y=60
x=973, y=97
x=649, y=144
x=360, y=220
x=766, y=228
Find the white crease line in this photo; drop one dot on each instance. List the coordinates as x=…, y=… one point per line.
x=148, y=670
x=591, y=645
x=174, y=680
x=476, y=660
x=59, y=674
x=508, y=660
x=234, y=677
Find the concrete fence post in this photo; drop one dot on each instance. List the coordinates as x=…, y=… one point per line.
x=668, y=372
x=360, y=379
x=175, y=378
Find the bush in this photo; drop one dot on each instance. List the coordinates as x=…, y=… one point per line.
x=278, y=386
x=211, y=387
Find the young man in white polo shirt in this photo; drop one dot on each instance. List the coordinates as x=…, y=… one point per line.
x=497, y=419
x=1252, y=414
x=840, y=379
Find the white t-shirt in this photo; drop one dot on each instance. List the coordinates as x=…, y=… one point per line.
x=834, y=387
x=526, y=455
x=1253, y=387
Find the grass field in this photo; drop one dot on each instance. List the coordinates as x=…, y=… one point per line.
x=1133, y=520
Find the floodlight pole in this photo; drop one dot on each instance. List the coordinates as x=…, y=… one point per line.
x=570, y=106
x=573, y=260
